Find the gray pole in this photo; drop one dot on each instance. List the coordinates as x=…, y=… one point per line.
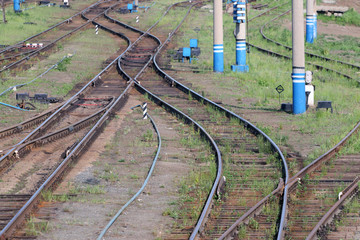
x=298, y=58
x=218, y=37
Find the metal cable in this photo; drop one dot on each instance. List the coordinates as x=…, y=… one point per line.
x=143, y=186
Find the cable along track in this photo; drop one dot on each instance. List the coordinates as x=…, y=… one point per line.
x=243, y=147
x=62, y=154
x=18, y=55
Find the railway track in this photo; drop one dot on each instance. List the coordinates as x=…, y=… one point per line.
x=315, y=189
x=60, y=148
x=95, y=88
x=242, y=147
x=325, y=61
x=19, y=54
x=280, y=50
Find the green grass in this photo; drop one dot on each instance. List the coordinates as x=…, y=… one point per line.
x=15, y=30
x=257, y=87
x=36, y=227
x=350, y=17
x=83, y=67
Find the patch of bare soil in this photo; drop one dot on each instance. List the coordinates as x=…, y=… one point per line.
x=118, y=162
x=333, y=29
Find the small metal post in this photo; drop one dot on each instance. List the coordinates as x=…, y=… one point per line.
x=96, y=29
x=218, y=37
x=144, y=108
x=298, y=58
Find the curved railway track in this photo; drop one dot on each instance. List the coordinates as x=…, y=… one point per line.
x=278, y=52
x=351, y=71
x=315, y=189
x=62, y=150
x=157, y=87
x=243, y=145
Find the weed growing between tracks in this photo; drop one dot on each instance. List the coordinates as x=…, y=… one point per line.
x=83, y=67
x=254, y=95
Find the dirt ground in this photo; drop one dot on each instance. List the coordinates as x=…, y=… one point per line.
x=121, y=150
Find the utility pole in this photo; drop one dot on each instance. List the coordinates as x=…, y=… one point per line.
x=3, y=10
x=218, y=37
x=298, y=58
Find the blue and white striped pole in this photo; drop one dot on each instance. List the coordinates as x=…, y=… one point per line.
x=240, y=36
x=218, y=37
x=310, y=21
x=298, y=58
x=310, y=29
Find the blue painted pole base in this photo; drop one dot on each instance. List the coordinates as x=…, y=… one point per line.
x=218, y=58
x=299, y=98
x=240, y=68
x=309, y=29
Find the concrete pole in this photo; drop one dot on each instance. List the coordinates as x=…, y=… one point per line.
x=240, y=36
x=298, y=58
x=218, y=37
x=315, y=20
x=310, y=21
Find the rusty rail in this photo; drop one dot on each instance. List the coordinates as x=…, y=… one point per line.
x=348, y=193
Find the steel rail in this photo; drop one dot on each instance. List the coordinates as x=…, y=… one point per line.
x=348, y=193
x=317, y=66
x=252, y=128
x=62, y=108
x=76, y=151
x=111, y=222
x=230, y=232
x=25, y=124
x=75, y=127
x=246, y=123
x=177, y=112
x=46, y=47
x=307, y=53
x=52, y=27
x=293, y=182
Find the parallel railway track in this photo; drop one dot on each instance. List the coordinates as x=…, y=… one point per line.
x=242, y=149
x=64, y=146
x=19, y=54
x=321, y=64
x=244, y=146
